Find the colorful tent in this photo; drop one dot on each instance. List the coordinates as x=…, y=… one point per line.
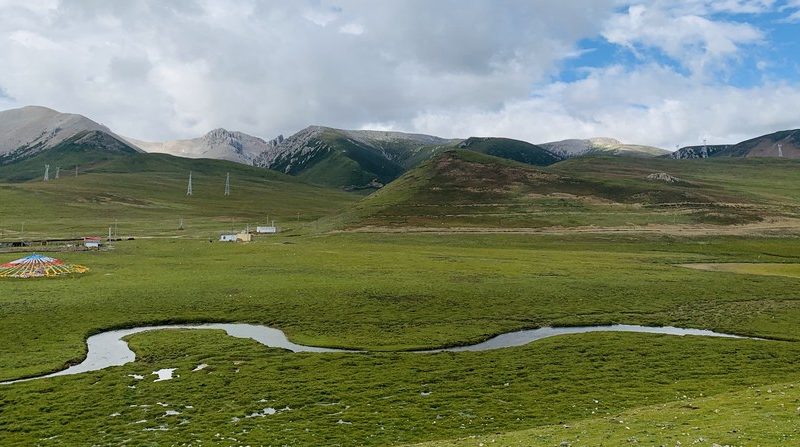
x=35, y=266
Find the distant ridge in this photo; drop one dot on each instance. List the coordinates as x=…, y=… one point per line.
x=509, y=149
x=219, y=144
x=784, y=143
x=601, y=146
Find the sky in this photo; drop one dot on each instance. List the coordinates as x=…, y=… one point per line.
x=662, y=73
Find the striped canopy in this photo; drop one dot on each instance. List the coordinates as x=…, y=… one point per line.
x=35, y=266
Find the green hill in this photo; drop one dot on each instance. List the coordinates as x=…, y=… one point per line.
x=472, y=190
x=146, y=193
x=507, y=148
x=86, y=149
x=348, y=158
x=362, y=159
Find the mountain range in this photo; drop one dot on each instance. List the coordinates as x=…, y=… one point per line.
x=349, y=159
x=601, y=146
x=219, y=144
x=785, y=143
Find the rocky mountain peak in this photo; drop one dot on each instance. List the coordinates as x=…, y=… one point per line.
x=36, y=128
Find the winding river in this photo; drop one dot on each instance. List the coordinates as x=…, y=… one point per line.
x=109, y=349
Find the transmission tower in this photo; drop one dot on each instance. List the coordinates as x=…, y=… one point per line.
x=780, y=150
x=189, y=188
x=228, y=184
x=46, y=173
x=76, y=170
x=58, y=171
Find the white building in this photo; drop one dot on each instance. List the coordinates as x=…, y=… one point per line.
x=267, y=230
x=91, y=242
x=238, y=237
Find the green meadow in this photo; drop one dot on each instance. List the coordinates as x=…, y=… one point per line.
x=387, y=294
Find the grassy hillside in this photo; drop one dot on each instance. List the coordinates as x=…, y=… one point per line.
x=347, y=163
x=764, y=181
x=85, y=150
x=145, y=194
x=471, y=190
x=347, y=159
x=354, y=159
x=782, y=144
x=766, y=146
x=509, y=149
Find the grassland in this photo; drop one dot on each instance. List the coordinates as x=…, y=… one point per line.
x=393, y=292
x=145, y=195
x=760, y=415
x=760, y=268
x=466, y=190
x=430, y=291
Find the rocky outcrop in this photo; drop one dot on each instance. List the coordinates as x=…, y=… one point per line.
x=706, y=151
x=662, y=177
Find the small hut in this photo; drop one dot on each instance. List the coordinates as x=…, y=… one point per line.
x=92, y=242
x=38, y=266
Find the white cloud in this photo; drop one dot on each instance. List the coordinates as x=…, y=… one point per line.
x=156, y=69
x=696, y=42
x=706, y=7
x=793, y=17
x=352, y=28
x=31, y=40
x=650, y=105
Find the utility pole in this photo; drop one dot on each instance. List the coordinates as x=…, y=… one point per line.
x=76, y=170
x=46, y=173
x=189, y=188
x=58, y=171
x=228, y=184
